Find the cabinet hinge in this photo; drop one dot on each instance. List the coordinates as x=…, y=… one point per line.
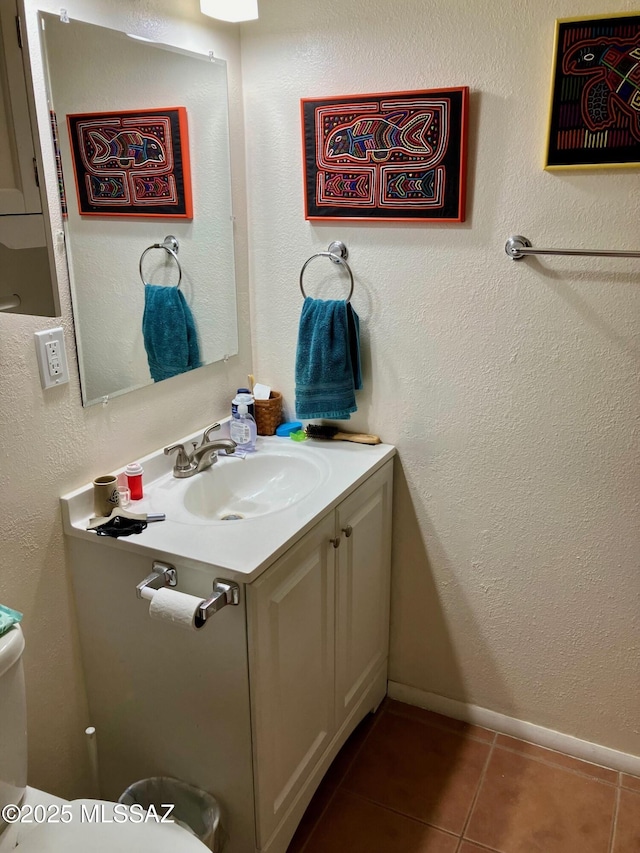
x=35, y=172
x=19, y=31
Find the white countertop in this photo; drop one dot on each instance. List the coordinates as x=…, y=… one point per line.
x=242, y=549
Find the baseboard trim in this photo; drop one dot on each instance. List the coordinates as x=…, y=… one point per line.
x=584, y=749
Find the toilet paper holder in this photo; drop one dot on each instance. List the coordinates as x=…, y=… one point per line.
x=164, y=574
x=224, y=592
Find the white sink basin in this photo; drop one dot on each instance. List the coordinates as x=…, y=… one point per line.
x=280, y=491
x=238, y=489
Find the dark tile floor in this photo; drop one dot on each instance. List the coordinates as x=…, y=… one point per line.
x=410, y=781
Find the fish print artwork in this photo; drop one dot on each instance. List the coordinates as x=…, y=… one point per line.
x=376, y=138
x=127, y=147
x=595, y=105
x=391, y=156
x=133, y=163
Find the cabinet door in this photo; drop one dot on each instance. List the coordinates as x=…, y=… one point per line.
x=291, y=660
x=362, y=588
x=19, y=191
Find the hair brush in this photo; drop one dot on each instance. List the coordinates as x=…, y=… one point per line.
x=334, y=434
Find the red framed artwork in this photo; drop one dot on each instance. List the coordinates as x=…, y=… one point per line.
x=132, y=163
x=390, y=156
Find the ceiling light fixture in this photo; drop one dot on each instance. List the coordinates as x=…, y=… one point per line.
x=230, y=10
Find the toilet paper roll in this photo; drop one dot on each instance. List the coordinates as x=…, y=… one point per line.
x=175, y=607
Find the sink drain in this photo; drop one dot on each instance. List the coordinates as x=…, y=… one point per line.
x=232, y=516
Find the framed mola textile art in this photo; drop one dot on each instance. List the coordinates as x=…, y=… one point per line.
x=133, y=163
x=595, y=93
x=392, y=156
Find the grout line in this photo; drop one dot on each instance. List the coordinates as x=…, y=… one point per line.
x=477, y=793
x=406, y=816
x=549, y=763
x=415, y=819
x=621, y=783
x=389, y=808
x=614, y=822
x=444, y=728
x=557, y=752
x=478, y=845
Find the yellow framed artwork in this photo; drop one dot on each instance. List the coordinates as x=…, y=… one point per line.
x=594, y=113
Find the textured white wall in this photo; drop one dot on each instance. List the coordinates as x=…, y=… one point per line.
x=51, y=445
x=509, y=388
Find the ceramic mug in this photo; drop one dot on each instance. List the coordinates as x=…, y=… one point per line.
x=105, y=495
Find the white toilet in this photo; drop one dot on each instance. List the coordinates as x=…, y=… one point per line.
x=90, y=824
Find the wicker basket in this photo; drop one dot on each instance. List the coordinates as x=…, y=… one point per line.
x=269, y=413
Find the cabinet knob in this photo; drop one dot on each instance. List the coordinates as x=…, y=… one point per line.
x=335, y=542
x=348, y=530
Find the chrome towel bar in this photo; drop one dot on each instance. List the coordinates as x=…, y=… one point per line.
x=518, y=247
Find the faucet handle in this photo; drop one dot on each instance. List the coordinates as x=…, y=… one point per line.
x=207, y=433
x=183, y=463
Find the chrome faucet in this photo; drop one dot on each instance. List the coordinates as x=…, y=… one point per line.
x=201, y=457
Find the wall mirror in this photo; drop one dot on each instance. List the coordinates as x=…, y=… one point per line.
x=143, y=135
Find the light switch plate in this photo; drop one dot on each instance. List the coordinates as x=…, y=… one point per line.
x=52, y=358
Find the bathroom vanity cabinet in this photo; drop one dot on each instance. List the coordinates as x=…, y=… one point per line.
x=255, y=705
x=318, y=637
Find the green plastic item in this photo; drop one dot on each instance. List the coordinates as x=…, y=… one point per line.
x=8, y=618
x=299, y=435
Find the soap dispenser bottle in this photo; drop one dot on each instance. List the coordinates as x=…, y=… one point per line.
x=243, y=429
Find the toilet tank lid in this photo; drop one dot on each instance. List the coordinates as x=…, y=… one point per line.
x=11, y=647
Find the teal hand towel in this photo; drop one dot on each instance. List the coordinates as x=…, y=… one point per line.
x=327, y=360
x=169, y=332
x=8, y=618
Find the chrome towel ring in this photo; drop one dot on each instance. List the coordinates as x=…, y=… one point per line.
x=338, y=253
x=170, y=245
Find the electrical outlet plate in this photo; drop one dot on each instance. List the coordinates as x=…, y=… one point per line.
x=52, y=358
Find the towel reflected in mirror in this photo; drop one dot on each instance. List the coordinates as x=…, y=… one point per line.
x=169, y=332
